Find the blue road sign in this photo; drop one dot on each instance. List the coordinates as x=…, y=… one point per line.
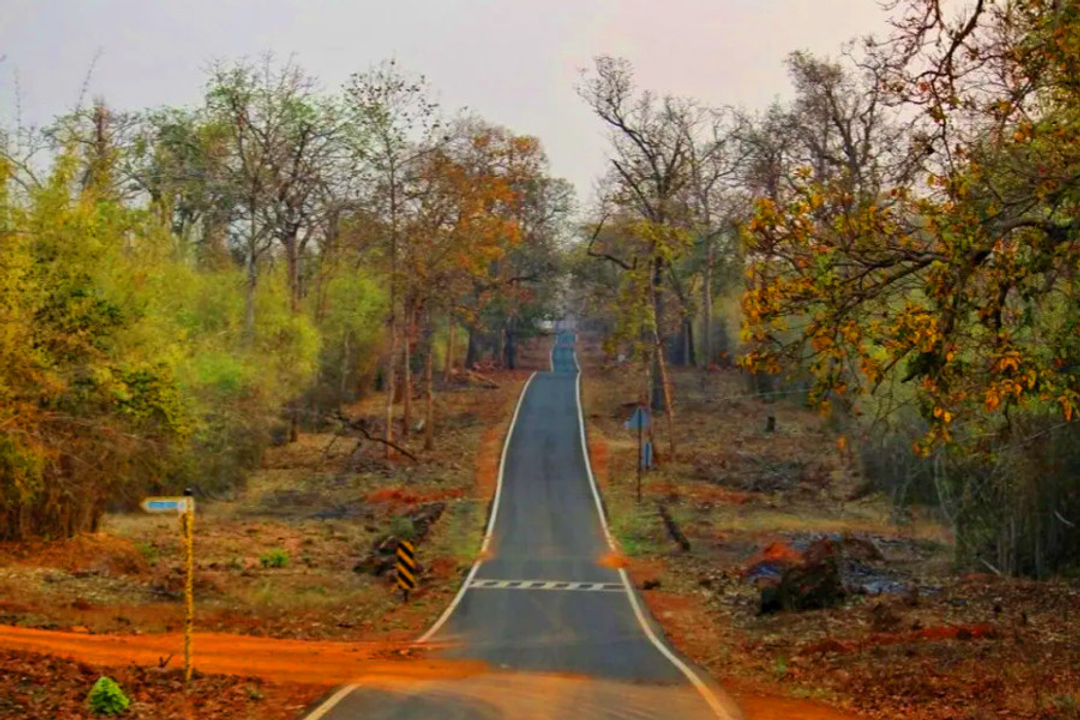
x=646, y=455
x=638, y=421
x=165, y=504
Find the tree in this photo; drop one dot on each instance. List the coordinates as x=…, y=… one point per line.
x=960, y=286
x=86, y=407
x=650, y=142
x=519, y=288
x=470, y=196
x=396, y=125
x=282, y=138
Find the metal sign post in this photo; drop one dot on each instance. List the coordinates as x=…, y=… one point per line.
x=406, y=567
x=188, y=523
x=185, y=508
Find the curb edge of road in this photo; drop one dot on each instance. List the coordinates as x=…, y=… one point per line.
x=654, y=634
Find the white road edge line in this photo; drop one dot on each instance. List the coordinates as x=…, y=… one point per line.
x=491, y=520
x=340, y=695
x=330, y=702
x=706, y=692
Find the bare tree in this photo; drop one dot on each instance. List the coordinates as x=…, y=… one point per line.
x=650, y=140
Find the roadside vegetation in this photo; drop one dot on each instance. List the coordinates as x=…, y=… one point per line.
x=182, y=287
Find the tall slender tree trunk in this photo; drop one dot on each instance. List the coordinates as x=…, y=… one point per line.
x=706, y=306
x=689, y=351
x=392, y=357
x=391, y=364
x=665, y=385
x=511, y=349
x=344, y=368
x=292, y=265
x=658, y=396
x=661, y=394
x=448, y=363
x=429, y=386
x=252, y=274
x=406, y=375
x=249, y=297
x=471, y=350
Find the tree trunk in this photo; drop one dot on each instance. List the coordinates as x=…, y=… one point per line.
x=511, y=350
x=344, y=369
x=658, y=393
x=706, y=306
x=392, y=358
x=292, y=265
x=391, y=363
x=249, y=298
x=688, y=342
x=429, y=387
x=252, y=275
x=406, y=376
x=676, y=348
x=665, y=385
x=448, y=363
x=471, y=350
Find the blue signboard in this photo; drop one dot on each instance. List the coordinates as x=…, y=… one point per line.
x=166, y=504
x=638, y=421
x=646, y=455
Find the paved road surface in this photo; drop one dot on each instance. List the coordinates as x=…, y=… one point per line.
x=561, y=633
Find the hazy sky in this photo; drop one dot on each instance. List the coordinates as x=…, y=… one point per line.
x=514, y=62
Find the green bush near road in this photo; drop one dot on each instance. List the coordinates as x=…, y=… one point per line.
x=106, y=697
x=276, y=558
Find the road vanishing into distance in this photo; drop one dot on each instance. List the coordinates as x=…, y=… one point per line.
x=562, y=635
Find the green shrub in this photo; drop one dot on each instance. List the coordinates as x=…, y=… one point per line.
x=106, y=697
x=276, y=558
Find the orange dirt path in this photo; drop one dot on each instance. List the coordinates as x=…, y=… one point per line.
x=296, y=661
x=769, y=707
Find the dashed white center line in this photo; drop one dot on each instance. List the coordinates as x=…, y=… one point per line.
x=495, y=584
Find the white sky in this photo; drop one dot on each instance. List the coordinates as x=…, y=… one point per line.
x=514, y=62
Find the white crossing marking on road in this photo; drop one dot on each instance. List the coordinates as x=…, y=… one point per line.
x=498, y=584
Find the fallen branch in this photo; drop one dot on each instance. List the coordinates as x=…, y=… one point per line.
x=672, y=528
x=359, y=426
x=326, y=450
x=992, y=568
x=482, y=379
x=389, y=443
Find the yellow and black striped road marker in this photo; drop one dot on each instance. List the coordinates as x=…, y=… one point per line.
x=406, y=566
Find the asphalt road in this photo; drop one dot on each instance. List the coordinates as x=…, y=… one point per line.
x=562, y=634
